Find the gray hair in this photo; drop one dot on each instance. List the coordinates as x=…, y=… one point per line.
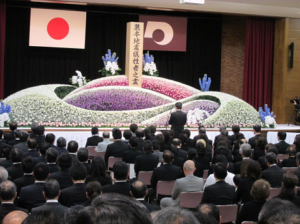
x=61, y=142
x=8, y=190
x=105, y=134
x=3, y=174
x=34, y=126
x=172, y=215
x=246, y=149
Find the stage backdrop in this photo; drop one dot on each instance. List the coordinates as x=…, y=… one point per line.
x=106, y=29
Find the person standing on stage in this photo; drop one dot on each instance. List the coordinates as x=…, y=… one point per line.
x=177, y=120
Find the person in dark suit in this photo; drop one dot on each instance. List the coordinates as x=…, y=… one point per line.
x=287, y=192
x=51, y=193
x=133, y=128
x=281, y=145
x=33, y=127
x=40, y=132
x=245, y=152
x=291, y=161
x=147, y=161
x=28, y=164
x=153, y=131
x=219, y=193
x=16, y=170
x=262, y=160
x=117, y=148
x=181, y=153
x=16, y=140
x=256, y=131
x=259, y=149
x=32, y=196
x=189, y=141
x=236, y=131
x=51, y=158
x=140, y=135
x=221, y=128
x=138, y=190
x=273, y=174
x=202, y=132
x=127, y=135
x=61, y=143
x=42, y=152
x=11, y=136
x=72, y=149
x=75, y=195
x=63, y=176
x=50, y=137
x=178, y=120
x=121, y=185
x=83, y=157
x=32, y=145
x=6, y=153
x=23, y=145
x=130, y=155
x=3, y=144
x=93, y=190
x=95, y=139
x=297, y=171
x=8, y=193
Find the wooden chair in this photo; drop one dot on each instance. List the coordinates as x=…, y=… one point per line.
x=282, y=157
x=205, y=174
x=273, y=192
x=93, y=152
x=112, y=160
x=190, y=199
x=228, y=212
x=145, y=176
x=164, y=188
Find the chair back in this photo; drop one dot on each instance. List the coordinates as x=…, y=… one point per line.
x=289, y=169
x=190, y=199
x=164, y=188
x=273, y=192
x=93, y=152
x=228, y=212
x=112, y=160
x=248, y=222
x=145, y=176
x=282, y=156
x=205, y=174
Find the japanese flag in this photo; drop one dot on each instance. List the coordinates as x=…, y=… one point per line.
x=57, y=28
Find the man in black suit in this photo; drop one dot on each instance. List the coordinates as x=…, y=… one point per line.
x=28, y=164
x=3, y=144
x=72, y=149
x=291, y=161
x=181, y=153
x=76, y=194
x=129, y=156
x=221, y=128
x=15, y=141
x=31, y=196
x=281, y=145
x=42, y=152
x=245, y=152
x=256, y=131
x=8, y=193
x=50, y=137
x=40, y=132
x=201, y=131
x=61, y=143
x=51, y=158
x=153, y=131
x=6, y=153
x=51, y=193
x=32, y=145
x=95, y=139
x=33, y=127
x=11, y=136
x=220, y=193
x=16, y=170
x=121, y=185
x=236, y=131
x=177, y=120
x=83, y=157
x=273, y=174
x=117, y=148
x=133, y=128
x=63, y=176
x=139, y=191
x=127, y=135
x=140, y=135
x=262, y=160
x=147, y=161
x=297, y=171
x=22, y=145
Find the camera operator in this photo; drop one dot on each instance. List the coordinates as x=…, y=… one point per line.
x=297, y=107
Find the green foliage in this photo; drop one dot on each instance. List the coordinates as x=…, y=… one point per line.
x=62, y=91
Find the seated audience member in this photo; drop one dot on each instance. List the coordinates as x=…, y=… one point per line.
x=236, y=131
x=32, y=196
x=16, y=170
x=256, y=131
x=11, y=135
x=133, y=128
x=245, y=152
x=76, y=194
x=281, y=145
x=93, y=190
x=253, y=173
x=3, y=144
x=16, y=140
x=152, y=131
x=40, y=131
x=221, y=128
x=51, y=158
x=95, y=139
x=6, y=153
x=103, y=145
x=121, y=185
x=236, y=148
x=33, y=128
x=220, y=193
x=228, y=178
x=156, y=150
x=202, y=158
x=50, y=138
x=192, y=155
x=147, y=161
x=130, y=154
x=297, y=171
x=63, y=176
x=139, y=191
x=15, y=217
x=117, y=148
x=181, y=153
x=32, y=144
x=114, y=208
x=209, y=209
x=259, y=149
x=72, y=213
x=183, y=139
x=167, y=141
x=61, y=143
x=279, y=211
x=140, y=135
x=51, y=193
x=8, y=193
x=28, y=164
x=189, y=141
x=291, y=161
x=3, y=174
x=175, y=215
x=262, y=160
x=98, y=172
x=46, y=217
x=160, y=138
x=273, y=174
x=72, y=149
x=22, y=145
x=147, y=134
x=260, y=191
x=287, y=192
x=83, y=157
x=42, y=148
x=223, y=150
x=127, y=135
x=189, y=183
x=236, y=179
x=297, y=142
x=178, y=161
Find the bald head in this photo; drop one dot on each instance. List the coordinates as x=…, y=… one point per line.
x=105, y=134
x=15, y=217
x=189, y=166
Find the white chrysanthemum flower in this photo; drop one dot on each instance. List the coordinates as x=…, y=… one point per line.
x=74, y=79
x=78, y=73
x=270, y=121
x=80, y=83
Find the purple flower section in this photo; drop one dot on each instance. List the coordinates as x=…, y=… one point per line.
x=116, y=100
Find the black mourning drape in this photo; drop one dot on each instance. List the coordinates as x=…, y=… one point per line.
x=30, y=66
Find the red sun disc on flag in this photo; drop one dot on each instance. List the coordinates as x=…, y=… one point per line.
x=58, y=28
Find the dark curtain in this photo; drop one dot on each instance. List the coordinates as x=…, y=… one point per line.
x=258, y=66
x=2, y=44
x=30, y=66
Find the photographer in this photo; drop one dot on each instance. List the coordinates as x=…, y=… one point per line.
x=297, y=107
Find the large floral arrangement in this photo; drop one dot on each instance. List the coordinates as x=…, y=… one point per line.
x=110, y=62
x=42, y=105
x=267, y=117
x=4, y=111
x=149, y=65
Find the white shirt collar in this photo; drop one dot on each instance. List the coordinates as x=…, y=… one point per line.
x=39, y=181
x=120, y=181
x=52, y=201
